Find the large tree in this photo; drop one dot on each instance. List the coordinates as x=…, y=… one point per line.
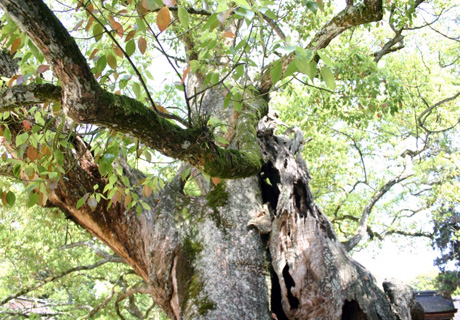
x=232, y=231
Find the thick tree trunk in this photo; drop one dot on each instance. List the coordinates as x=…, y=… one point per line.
x=253, y=248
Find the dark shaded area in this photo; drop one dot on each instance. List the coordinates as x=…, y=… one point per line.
x=352, y=311
x=293, y=301
x=270, y=179
x=277, y=307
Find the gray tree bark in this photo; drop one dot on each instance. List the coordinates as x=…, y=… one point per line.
x=248, y=248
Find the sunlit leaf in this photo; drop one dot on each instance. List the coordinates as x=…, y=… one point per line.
x=169, y=3
x=163, y=18
x=276, y=71
x=328, y=77
x=130, y=48
x=228, y=34
x=184, y=17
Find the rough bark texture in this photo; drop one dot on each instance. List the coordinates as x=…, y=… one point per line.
x=252, y=248
x=317, y=278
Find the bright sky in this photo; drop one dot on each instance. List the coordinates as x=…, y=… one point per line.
x=393, y=260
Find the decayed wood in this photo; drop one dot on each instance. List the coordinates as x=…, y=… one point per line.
x=318, y=279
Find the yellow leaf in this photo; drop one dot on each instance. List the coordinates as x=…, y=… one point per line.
x=15, y=45
x=142, y=45
x=163, y=18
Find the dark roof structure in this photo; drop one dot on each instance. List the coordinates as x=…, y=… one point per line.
x=435, y=305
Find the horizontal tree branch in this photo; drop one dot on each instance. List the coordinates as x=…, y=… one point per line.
x=84, y=101
x=351, y=16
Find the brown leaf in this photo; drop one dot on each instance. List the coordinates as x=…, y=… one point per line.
x=78, y=25
x=43, y=68
x=89, y=24
x=91, y=57
x=15, y=45
x=142, y=45
x=146, y=190
x=27, y=124
x=169, y=3
x=186, y=71
x=118, y=28
x=228, y=34
x=4, y=198
x=163, y=18
x=215, y=181
x=32, y=153
x=118, y=51
x=10, y=83
x=128, y=199
x=130, y=35
x=162, y=109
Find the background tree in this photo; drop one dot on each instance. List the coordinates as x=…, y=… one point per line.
x=233, y=232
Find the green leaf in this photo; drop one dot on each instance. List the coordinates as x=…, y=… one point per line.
x=98, y=31
x=214, y=78
x=291, y=68
x=186, y=173
x=239, y=71
x=303, y=65
x=325, y=58
x=32, y=200
x=81, y=202
x=183, y=17
x=137, y=89
x=276, y=71
x=312, y=69
x=328, y=77
x=130, y=47
x=10, y=198
x=21, y=139
x=243, y=3
x=17, y=170
x=221, y=140
x=7, y=134
x=101, y=63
